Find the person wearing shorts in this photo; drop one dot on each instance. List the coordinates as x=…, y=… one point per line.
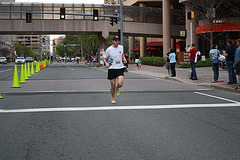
x=115, y=66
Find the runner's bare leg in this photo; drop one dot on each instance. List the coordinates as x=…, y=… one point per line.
x=120, y=81
x=113, y=85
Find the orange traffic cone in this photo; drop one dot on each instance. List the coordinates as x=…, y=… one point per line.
x=15, y=79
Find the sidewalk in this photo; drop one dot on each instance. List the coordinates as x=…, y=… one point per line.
x=205, y=76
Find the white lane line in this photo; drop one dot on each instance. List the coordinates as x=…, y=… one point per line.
x=109, y=108
x=225, y=99
x=203, y=89
x=99, y=69
x=6, y=70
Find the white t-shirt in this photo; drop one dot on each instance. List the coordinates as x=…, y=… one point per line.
x=115, y=57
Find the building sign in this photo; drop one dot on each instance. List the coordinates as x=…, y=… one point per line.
x=217, y=21
x=182, y=33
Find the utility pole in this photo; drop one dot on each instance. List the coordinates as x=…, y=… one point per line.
x=121, y=23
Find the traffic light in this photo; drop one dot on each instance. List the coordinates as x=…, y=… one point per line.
x=62, y=13
x=28, y=17
x=115, y=20
x=111, y=20
x=95, y=15
x=119, y=34
x=190, y=15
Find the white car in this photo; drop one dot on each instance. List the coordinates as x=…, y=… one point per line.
x=3, y=60
x=20, y=60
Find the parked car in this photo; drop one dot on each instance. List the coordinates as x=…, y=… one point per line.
x=20, y=60
x=3, y=60
x=29, y=59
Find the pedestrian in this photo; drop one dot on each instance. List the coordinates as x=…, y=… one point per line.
x=172, y=58
x=94, y=61
x=188, y=49
x=168, y=67
x=137, y=58
x=139, y=63
x=115, y=66
x=237, y=63
x=229, y=54
x=192, y=55
x=214, y=54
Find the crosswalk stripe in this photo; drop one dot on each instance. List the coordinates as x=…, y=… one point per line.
x=109, y=108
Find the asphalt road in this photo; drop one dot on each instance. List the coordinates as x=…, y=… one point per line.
x=153, y=118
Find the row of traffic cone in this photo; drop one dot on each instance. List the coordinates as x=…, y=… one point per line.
x=26, y=73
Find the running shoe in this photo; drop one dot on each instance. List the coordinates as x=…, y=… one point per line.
x=113, y=100
x=117, y=92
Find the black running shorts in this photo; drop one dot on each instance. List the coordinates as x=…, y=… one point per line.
x=114, y=73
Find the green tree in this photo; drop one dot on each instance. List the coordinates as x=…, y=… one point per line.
x=24, y=51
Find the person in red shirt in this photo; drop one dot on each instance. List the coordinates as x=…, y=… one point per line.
x=192, y=55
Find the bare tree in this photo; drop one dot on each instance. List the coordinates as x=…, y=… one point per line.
x=211, y=14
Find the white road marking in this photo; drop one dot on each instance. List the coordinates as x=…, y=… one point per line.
x=99, y=69
x=109, y=108
x=208, y=95
x=203, y=89
x=6, y=70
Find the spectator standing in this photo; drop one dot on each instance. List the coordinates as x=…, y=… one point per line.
x=139, y=64
x=168, y=67
x=188, y=49
x=137, y=58
x=172, y=57
x=214, y=54
x=237, y=63
x=229, y=54
x=192, y=54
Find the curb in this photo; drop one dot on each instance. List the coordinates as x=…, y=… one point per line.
x=218, y=87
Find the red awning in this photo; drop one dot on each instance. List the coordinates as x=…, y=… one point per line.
x=220, y=27
x=136, y=49
x=154, y=44
x=151, y=49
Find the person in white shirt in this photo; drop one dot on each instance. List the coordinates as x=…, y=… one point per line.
x=115, y=66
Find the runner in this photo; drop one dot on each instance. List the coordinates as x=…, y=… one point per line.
x=115, y=66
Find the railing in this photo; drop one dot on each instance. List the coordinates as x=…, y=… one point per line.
x=130, y=13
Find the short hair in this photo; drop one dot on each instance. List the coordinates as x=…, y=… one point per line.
x=193, y=44
x=214, y=46
x=171, y=50
x=229, y=41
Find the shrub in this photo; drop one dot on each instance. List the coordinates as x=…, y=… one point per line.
x=207, y=63
x=153, y=61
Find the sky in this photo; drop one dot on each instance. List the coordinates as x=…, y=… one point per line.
x=64, y=1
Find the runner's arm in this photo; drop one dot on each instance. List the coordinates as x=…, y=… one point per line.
x=124, y=59
x=106, y=63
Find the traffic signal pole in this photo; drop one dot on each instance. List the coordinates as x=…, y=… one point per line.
x=121, y=23
x=191, y=33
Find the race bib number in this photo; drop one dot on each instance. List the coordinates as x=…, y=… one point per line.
x=118, y=63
